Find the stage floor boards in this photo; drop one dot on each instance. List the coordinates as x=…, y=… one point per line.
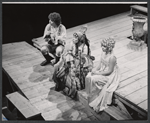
x=21, y=62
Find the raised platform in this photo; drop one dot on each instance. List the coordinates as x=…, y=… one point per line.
x=21, y=63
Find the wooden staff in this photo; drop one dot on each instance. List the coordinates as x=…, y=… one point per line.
x=80, y=67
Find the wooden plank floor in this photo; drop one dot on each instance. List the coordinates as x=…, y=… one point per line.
x=22, y=63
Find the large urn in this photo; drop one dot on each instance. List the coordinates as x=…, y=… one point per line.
x=138, y=32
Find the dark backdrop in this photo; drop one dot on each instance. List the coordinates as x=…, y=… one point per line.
x=22, y=22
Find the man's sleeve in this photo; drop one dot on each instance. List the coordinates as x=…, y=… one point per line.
x=47, y=30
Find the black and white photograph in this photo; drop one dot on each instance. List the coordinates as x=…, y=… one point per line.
x=74, y=61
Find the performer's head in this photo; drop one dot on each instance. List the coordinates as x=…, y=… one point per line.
x=54, y=19
x=80, y=38
x=77, y=37
x=108, y=45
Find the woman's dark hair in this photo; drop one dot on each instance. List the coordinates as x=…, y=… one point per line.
x=83, y=39
x=55, y=17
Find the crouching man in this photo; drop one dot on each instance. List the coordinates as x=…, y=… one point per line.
x=55, y=36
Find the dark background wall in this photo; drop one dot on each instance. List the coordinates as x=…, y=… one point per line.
x=22, y=22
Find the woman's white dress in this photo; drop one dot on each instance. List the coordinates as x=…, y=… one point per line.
x=100, y=88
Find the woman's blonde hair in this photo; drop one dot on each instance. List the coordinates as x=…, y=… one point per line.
x=109, y=43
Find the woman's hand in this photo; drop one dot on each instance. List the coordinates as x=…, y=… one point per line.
x=95, y=73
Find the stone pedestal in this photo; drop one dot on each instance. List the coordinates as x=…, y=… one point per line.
x=137, y=46
x=138, y=32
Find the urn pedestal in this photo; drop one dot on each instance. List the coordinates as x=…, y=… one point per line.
x=138, y=32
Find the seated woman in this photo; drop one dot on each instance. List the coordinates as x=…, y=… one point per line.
x=54, y=35
x=103, y=80
x=79, y=54
x=70, y=71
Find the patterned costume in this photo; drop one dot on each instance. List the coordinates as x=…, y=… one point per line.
x=71, y=70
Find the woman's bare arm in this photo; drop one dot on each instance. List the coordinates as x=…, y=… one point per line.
x=112, y=64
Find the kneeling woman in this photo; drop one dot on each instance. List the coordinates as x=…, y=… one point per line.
x=70, y=71
x=104, y=80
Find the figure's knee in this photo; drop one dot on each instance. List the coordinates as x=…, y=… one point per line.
x=44, y=50
x=59, y=50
